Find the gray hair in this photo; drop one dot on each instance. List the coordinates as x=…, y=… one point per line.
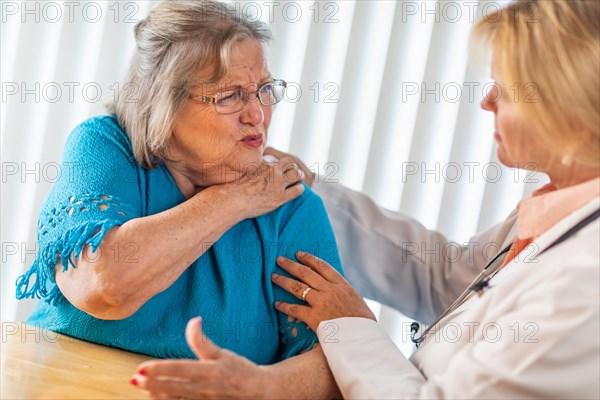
x=174, y=42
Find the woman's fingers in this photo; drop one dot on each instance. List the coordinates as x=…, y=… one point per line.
x=179, y=378
x=267, y=187
x=291, y=171
x=218, y=374
x=319, y=266
x=202, y=346
x=168, y=387
x=185, y=369
x=293, y=190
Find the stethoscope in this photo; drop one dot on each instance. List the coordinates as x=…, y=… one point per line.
x=477, y=287
x=482, y=280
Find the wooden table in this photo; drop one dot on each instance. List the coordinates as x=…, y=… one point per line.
x=40, y=364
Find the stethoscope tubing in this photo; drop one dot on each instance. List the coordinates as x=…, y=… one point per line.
x=481, y=280
x=483, y=275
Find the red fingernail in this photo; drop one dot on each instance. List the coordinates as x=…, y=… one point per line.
x=133, y=381
x=142, y=371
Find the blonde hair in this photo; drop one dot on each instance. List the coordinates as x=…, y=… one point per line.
x=175, y=41
x=555, y=45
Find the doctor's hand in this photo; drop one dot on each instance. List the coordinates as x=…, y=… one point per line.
x=218, y=373
x=327, y=294
x=309, y=176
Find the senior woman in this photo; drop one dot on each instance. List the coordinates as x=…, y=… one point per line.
x=529, y=325
x=161, y=221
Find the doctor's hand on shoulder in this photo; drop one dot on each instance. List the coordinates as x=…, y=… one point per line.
x=308, y=176
x=326, y=293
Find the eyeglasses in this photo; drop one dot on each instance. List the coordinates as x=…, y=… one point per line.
x=234, y=100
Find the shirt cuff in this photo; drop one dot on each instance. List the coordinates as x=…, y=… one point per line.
x=365, y=361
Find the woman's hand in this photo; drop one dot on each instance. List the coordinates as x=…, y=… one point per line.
x=218, y=374
x=309, y=176
x=330, y=295
x=266, y=188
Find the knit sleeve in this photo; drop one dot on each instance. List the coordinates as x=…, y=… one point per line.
x=98, y=189
x=307, y=229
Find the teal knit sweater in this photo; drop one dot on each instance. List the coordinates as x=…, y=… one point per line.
x=102, y=186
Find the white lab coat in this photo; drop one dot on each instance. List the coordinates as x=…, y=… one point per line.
x=534, y=333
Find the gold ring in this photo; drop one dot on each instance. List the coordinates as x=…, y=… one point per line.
x=308, y=289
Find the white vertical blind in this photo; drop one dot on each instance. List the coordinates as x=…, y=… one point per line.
x=288, y=49
x=397, y=107
x=382, y=98
x=320, y=86
x=360, y=88
x=436, y=119
x=21, y=147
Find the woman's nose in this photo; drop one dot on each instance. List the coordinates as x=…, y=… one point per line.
x=488, y=102
x=485, y=104
x=253, y=113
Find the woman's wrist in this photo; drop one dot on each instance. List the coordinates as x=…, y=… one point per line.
x=228, y=203
x=265, y=381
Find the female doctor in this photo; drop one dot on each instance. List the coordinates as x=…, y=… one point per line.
x=523, y=323
x=533, y=328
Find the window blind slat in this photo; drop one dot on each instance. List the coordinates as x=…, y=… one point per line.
x=327, y=44
x=25, y=128
x=288, y=48
x=360, y=88
x=396, y=110
x=436, y=118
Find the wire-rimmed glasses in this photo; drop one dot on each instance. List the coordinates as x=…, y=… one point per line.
x=230, y=101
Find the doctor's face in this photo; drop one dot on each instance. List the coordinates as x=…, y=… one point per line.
x=519, y=146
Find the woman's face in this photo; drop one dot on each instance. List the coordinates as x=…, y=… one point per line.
x=518, y=144
x=213, y=148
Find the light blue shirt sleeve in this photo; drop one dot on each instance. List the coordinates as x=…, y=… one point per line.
x=98, y=189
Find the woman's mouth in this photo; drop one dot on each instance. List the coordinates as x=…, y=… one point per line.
x=253, y=141
x=497, y=137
